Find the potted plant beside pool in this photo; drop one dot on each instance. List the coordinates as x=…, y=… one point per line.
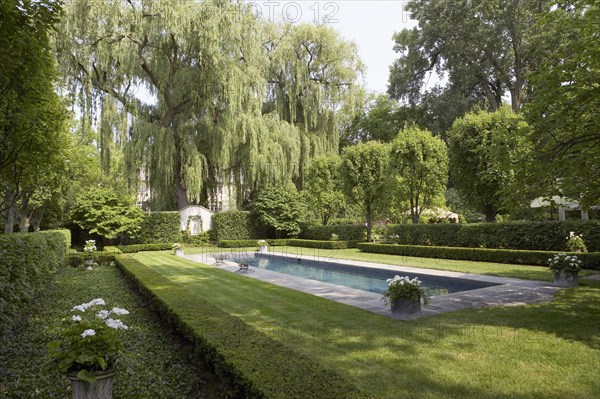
x=88, y=253
x=177, y=249
x=263, y=246
x=565, y=269
x=404, y=295
x=89, y=349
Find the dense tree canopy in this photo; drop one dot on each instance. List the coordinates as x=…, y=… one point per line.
x=482, y=47
x=565, y=105
x=419, y=162
x=322, y=188
x=485, y=149
x=365, y=179
x=280, y=207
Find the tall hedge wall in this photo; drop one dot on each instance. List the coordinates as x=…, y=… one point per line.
x=344, y=232
x=545, y=236
x=236, y=225
x=160, y=227
x=26, y=260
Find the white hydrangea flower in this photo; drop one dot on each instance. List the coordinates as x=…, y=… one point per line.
x=76, y=317
x=97, y=301
x=80, y=308
x=116, y=324
x=103, y=314
x=119, y=311
x=88, y=333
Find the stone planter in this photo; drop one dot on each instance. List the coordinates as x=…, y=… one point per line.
x=264, y=248
x=404, y=307
x=89, y=263
x=566, y=280
x=101, y=389
x=179, y=252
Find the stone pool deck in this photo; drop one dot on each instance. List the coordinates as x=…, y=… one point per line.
x=509, y=292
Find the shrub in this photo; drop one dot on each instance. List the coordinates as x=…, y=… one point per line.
x=344, y=232
x=236, y=225
x=160, y=227
x=545, y=236
x=77, y=259
x=319, y=244
x=520, y=257
x=252, y=243
x=26, y=260
x=257, y=365
x=126, y=249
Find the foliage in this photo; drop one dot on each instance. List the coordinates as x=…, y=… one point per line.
x=511, y=256
x=547, y=236
x=565, y=103
x=89, y=249
x=151, y=347
x=32, y=115
x=259, y=365
x=159, y=227
x=344, y=232
x=26, y=261
x=251, y=243
x=108, y=214
x=575, y=243
x=565, y=265
x=482, y=47
x=77, y=259
x=236, y=225
x=321, y=244
x=485, y=149
x=90, y=341
x=420, y=164
x=404, y=288
x=281, y=208
x=126, y=249
x=322, y=187
x=365, y=179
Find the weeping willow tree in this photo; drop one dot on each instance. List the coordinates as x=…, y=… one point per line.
x=312, y=73
x=180, y=85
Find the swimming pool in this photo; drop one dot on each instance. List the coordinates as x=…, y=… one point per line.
x=362, y=278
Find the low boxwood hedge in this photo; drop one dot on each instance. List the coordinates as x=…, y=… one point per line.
x=322, y=244
x=77, y=259
x=127, y=249
x=256, y=365
x=520, y=257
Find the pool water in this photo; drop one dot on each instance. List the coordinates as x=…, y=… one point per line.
x=362, y=278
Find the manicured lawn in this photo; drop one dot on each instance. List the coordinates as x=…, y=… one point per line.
x=548, y=350
x=157, y=362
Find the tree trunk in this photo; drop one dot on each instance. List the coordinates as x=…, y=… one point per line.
x=36, y=218
x=180, y=189
x=369, y=216
x=23, y=223
x=9, y=222
x=490, y=213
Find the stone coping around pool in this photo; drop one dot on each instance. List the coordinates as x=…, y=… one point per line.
x=508, y=292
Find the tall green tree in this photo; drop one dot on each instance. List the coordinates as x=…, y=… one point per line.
x=365, y=179
x=485, y=150
x=420, y=164
x=32, y=115
x=565, y=105
x=482, y=47
x=322, y=188
x=280, y=207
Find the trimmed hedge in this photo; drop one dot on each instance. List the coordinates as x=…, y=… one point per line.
x=252, y=243
x=345, y=232
x=256, y=365
x=322, y=244
x=160, y=227
x=513, y=256
x=545, y=236
x=26, y=260
x=236, y=225
x=127, y=249
x=77, y=259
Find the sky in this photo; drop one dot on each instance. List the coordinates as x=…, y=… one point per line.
x=370, y=24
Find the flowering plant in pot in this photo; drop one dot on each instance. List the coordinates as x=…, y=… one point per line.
x=565, y=269
x=263, y=244
x=91, y=341
x=575, y=242
x=88, y=253
x=404, y=292
x=177, y=248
